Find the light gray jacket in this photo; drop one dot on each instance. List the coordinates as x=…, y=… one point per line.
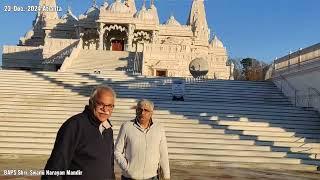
x=139, y=152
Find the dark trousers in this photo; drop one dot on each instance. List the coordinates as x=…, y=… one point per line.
x=153, y=178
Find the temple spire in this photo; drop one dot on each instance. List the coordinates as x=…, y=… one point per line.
x=106, y=3
x=144, y=4
x=47, y=15
x=132, y=6
x=198, y=20
x=94, y=4
x=154, y=11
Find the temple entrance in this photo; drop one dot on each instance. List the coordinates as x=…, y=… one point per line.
x=115, y=40
x=161, y=73
x=117, y=45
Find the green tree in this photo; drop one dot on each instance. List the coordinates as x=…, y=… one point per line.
x=237, y=72
x=253, y=69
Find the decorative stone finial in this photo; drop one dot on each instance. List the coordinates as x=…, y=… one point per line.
x=106, y=3
x=144, y=4
x=69, y=9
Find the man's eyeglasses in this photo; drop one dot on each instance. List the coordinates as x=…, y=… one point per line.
x=102, y=105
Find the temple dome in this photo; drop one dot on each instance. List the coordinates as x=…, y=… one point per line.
x=93, y=11
x=118, y=7
x=69, y=16
x=216, y=43
x=172, y=22
x=144, y=14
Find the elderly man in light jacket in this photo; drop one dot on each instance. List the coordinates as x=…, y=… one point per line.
x=142, y=146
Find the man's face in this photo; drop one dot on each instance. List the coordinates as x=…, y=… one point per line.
x=104, y=106
x=144, y=113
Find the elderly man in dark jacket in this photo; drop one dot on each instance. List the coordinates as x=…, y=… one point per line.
x=84, y=144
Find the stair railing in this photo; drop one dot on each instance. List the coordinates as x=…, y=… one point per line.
x=314, y=98
x=310, y=99
x=68, y=60
x=289, y=90
x=137, y=63
x=61, y=55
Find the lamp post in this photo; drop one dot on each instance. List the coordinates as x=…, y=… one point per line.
x=289, y=58
x=299, y=59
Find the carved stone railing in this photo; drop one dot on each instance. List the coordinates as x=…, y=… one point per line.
x=74, y=54
x=191, y=80
x=298, y=59
x=60, y=56
x=21, y=56
x=53, y=46
x=15, y=49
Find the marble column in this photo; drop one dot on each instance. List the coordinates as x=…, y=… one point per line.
x=155, y=35
x=47, y=33
x=130, y=37
x=79, y=32
x=101, y=32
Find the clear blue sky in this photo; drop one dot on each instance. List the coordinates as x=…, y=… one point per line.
x=262, y=29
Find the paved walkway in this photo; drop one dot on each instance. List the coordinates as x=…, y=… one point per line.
x=180, y=171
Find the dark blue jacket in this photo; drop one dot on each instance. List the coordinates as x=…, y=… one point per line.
x=80, y=146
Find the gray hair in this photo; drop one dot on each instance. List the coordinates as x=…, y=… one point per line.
x=145, y=102
x=97, y=91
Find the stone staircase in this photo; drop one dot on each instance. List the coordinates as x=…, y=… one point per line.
x=219, y=121
x=103, y=61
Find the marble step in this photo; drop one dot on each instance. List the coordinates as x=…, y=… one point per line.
x=6, y=111
x=32, y=104
x=178, y=128
x=45, y=131
x=133, y=81
x=303, y=147
x=137, y=83
x=173, y=143
x=123, y=91
x=204, y=82
x=200, y=122
x=66, y=114
x=223, y=152
x=78, y=101
x=77, y=105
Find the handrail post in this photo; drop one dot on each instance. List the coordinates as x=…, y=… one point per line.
x=309, y=96
x=299, y=59
x=295, y=98
x=134, y=65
